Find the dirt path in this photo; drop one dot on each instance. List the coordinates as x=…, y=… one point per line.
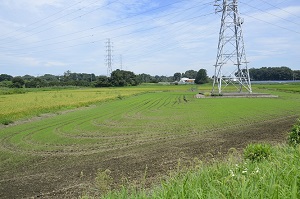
x=68, y=176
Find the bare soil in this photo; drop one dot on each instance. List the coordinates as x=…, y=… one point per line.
x=70, y=176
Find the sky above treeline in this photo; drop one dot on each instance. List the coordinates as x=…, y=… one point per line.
x=157, y=37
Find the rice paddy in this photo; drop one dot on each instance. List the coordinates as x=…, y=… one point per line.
x=128, y=121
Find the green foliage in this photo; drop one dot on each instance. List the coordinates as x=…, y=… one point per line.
x=201, y=77
x=271, y=73
x=191, y=74
x=6, y=121
x=294, y=135
x=177, y=76
x=119, y=78
x=7, y=84
x=5, y=77
x=36, y=83
x=103, y=81
x=257, y=152
x=17, y=82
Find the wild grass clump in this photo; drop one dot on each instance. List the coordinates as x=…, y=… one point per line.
x=257, y=152
x=207, y=94
x=6, y=121
x=103, y=181
x=294, y=135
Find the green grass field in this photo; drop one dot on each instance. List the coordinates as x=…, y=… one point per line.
x=143, y=117
x=147, y=117
x=20, y=103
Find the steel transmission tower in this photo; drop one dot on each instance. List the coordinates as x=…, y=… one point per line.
x=109, y=57
x=231, y=64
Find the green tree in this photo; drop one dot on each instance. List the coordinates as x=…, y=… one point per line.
x=190, y=74
x=144, y=78
x=296, y=74
x=201, y=77
x=176, y=76
x=18, y=82
x=102, y=81
x=123, y=78
x=28, y=78
x=49, y=78
x=5, y=77
x=36, y=83
x=271, y=73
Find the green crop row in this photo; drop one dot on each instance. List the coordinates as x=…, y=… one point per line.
x=140, y=119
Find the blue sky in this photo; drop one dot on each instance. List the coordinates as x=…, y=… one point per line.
x=157, y=37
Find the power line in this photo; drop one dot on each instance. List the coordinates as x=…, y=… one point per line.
x=272, y=24
x=42, y=19
x=105, y=23
x=271, y=14
x=141, y=30
x=280, y=9
x=61, y=18
x=118, y=28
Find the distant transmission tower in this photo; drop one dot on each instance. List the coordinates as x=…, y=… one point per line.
x=109, y=57
x=121, y=62
x=231, y=64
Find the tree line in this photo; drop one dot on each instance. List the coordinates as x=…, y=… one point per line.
x=118, y=78
x=274, y=73
x=128, y=78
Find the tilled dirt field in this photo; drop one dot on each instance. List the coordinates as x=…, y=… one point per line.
x=69, y=176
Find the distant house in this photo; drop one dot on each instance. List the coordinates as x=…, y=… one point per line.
x=186, y=81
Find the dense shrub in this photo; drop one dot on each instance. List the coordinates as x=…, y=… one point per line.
x=257, y=152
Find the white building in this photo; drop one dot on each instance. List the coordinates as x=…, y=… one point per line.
x=185, y=80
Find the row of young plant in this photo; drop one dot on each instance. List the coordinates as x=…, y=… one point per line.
x=265, y=171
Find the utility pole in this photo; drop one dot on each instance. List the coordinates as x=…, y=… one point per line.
x=109, y=57
x=231, y=64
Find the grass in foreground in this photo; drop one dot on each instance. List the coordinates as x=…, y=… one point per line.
x=275, y=177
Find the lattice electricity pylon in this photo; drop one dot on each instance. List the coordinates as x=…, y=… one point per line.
x=231, y=64
x=109, y=57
